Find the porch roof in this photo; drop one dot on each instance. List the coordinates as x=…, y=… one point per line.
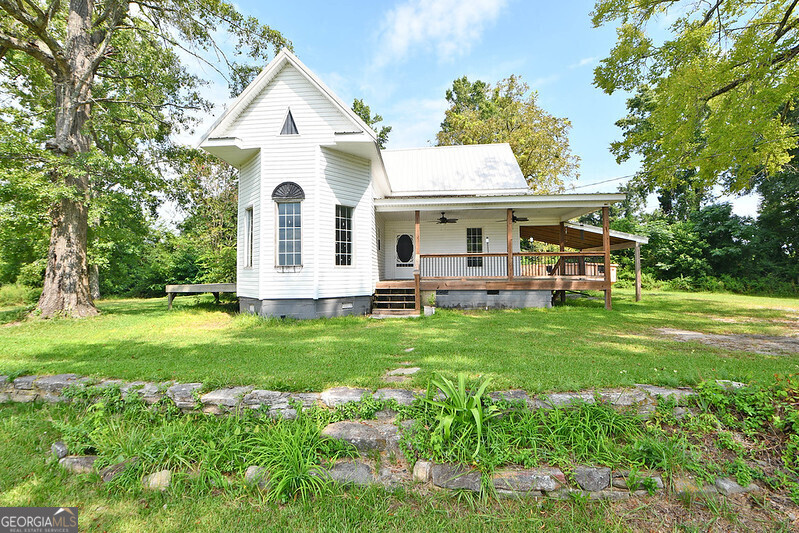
x=581, y=236
x=539, y=208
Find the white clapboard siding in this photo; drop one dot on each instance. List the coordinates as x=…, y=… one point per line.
x=445, y=239
x=299, y=158
x=315, y=116
x=249, y=196
x=346, y=180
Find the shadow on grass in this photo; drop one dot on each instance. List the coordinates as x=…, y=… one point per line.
x=150, y=306
x=573, y=347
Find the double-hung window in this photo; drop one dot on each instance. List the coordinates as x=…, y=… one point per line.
x=343, y=235
x=248, y=237
x=474, y=245
x=289, y=241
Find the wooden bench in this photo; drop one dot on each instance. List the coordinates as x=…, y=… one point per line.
x=199, y=288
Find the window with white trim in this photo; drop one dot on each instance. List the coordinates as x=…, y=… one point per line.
x=474, y=245
x=343, y=235
x=248, y=237
x=289, y=241
x=288, y=196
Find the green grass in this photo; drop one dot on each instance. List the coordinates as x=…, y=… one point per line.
x=30, y=477
x=576, y=346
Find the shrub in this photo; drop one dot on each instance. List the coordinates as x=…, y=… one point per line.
x=18, y=294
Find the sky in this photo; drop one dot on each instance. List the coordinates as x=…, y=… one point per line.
x=401, y=57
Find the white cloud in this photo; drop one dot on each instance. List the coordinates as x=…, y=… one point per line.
x=584, y=62
x=446, y=27
x=414, y=122
x=545, y=80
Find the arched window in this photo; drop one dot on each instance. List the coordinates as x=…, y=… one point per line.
x=288, y=196
x=288, y=191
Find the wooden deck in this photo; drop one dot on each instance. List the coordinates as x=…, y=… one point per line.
x=198, y=288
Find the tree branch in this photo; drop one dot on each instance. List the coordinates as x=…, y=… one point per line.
x=38, y=26
x=784, y=27
x=782, y=57
x=32, y=47
x=710, y=12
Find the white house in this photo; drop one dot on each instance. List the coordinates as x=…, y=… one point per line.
x=331, y=225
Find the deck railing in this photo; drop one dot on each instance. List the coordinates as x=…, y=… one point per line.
x=525, y=265
x=439, y=266
x=543, y=264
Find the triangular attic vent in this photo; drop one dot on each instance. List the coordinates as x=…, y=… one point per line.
x=289, y=127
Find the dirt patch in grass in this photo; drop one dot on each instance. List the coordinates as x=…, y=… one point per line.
x=762, y=344
x=743, y=513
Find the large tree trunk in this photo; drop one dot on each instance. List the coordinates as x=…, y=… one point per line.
x=66, y=280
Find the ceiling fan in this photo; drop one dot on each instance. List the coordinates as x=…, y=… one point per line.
x=515, y=219
x=444, y=220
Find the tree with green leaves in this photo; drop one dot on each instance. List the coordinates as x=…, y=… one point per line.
x=778, y=225
x=721, y=86
x=102, y=82
x=509, y=113
x=210, y=197
x=363, y=111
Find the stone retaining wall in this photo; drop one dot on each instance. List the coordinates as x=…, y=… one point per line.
x=382, y=436
x=187, y=396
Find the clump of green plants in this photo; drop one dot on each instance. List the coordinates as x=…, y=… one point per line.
x=293, y=454
x=766, y=415
x=446, y=429
x=461, y=413
x=204, y=452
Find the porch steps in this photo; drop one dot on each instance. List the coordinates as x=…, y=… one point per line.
x=393, y=300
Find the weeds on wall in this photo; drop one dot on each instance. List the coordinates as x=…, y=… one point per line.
x=749, y=434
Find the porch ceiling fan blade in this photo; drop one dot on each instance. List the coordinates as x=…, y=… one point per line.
x=515, y=219
x=444, y=220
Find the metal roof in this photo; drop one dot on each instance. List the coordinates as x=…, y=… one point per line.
x=581, y=236
x=447, y=170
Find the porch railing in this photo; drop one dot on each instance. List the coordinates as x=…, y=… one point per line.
x=464, y=265
x=543, y=264
x=524, y=264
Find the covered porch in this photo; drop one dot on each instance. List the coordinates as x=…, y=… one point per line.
x=473, y=244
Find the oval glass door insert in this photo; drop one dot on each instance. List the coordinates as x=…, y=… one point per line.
x=404, y=251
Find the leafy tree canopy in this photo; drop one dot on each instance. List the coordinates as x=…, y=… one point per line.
x=508, y=113
x=98, y=89
x=715, y=94
x=363, y=111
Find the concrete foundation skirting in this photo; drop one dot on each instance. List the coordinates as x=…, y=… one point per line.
x=307, y=307
x=471, y=299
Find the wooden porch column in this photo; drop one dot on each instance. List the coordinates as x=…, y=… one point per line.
x=510, y=243
x=606, y=251
x=561, y=261
x=638, y=272
x=417, y=265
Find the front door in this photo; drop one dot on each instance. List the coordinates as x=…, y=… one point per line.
x=403, y=257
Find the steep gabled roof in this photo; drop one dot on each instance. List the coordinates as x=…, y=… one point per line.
x=220, y=128
x=449, y=170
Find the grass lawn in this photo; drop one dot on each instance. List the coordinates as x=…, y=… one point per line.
x=29, y=477
x=579, y=345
